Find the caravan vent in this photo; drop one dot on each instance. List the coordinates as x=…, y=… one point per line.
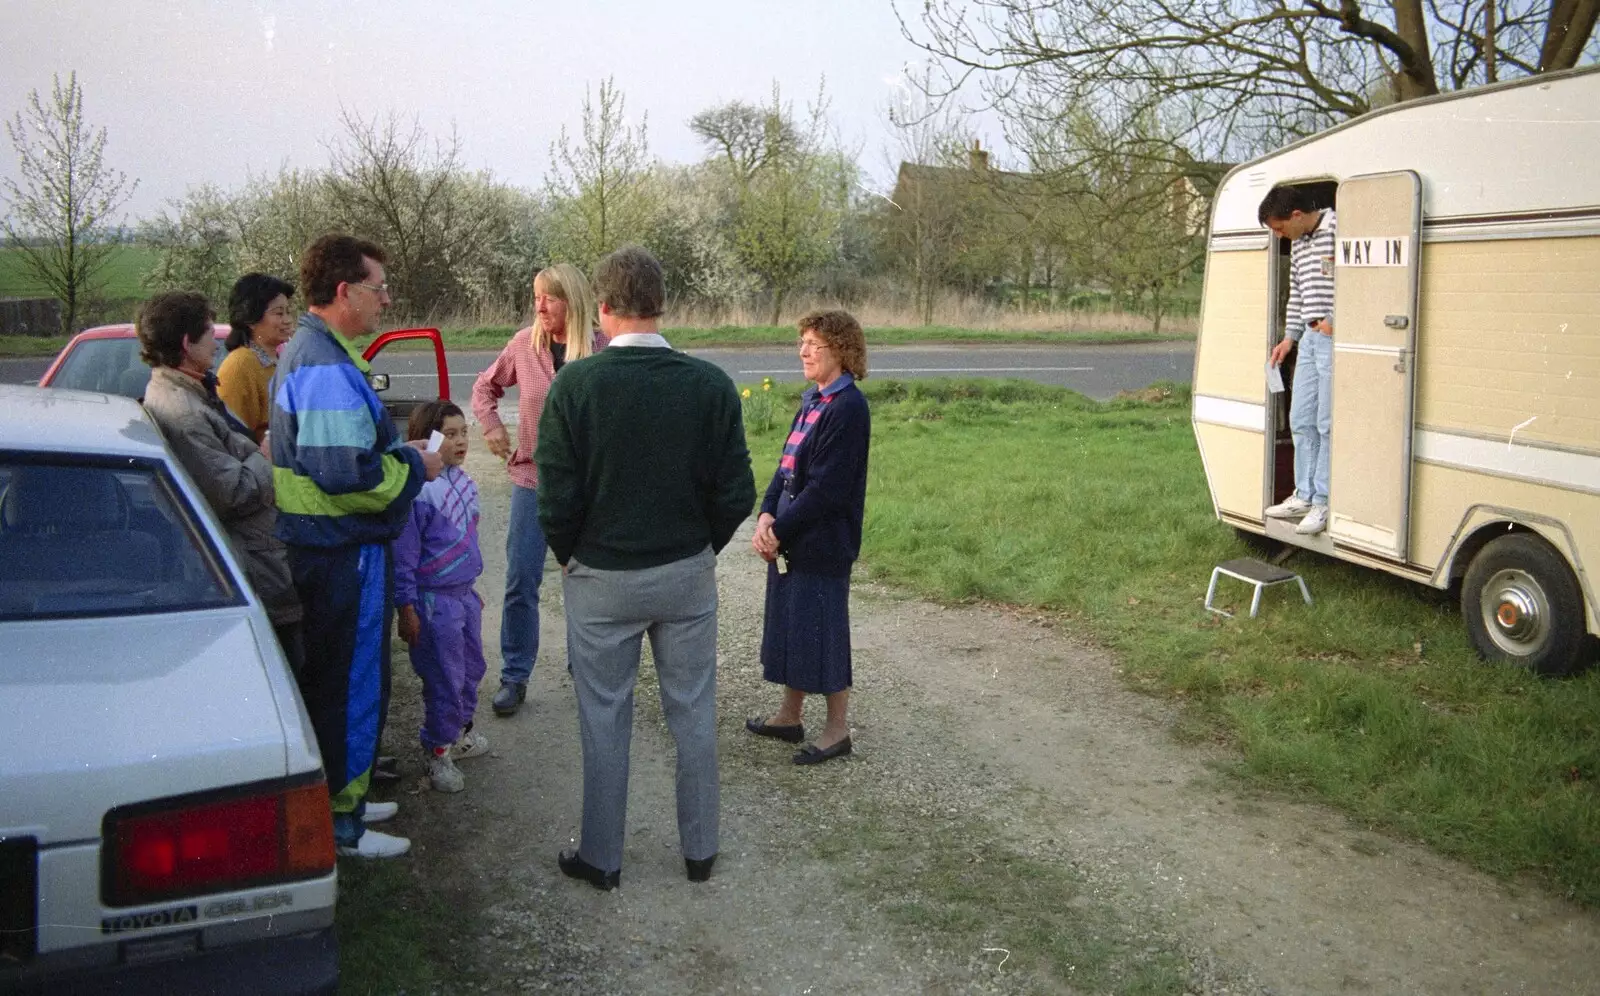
x=1256, y=179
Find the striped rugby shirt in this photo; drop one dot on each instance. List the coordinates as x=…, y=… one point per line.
x=1311, y=276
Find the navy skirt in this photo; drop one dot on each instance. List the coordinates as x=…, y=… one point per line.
x=805, y=643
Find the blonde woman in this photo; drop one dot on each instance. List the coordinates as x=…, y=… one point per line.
x=563, y=330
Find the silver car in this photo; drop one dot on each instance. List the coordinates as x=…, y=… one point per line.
x=164, y=820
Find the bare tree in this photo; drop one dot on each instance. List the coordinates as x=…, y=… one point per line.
x=789, y=188
x=747, y=137
x=60, y=216
x=415, y=198
x=1259, y=70
x=600, y=190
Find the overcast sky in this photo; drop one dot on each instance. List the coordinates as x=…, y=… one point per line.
x=194, y=91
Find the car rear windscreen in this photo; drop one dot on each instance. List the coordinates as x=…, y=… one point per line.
x=110, y=366
x=88, y=538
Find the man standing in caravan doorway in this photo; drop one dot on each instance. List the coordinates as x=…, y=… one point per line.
x=1292, y=213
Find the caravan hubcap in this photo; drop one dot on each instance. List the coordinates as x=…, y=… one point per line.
x=1515, y=612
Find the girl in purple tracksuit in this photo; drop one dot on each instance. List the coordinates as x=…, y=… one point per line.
x=436, y=560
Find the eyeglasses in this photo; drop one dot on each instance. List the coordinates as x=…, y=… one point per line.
x=811, y=344
x=382, y=288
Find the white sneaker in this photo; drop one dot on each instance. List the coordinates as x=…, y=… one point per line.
x=1291, y=507
x=377, y=812
x=443, y=774
x=376, y=844
x=471, y=744
x=1315, y=521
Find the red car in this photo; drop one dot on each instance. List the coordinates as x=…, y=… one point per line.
x=106, y=359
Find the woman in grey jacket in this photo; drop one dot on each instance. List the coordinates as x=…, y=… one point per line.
x=217, y=450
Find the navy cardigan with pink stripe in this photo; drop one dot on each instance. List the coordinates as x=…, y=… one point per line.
x=819, y=530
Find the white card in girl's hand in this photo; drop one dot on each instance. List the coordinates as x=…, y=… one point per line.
x=1274, y=380
x=435, y=440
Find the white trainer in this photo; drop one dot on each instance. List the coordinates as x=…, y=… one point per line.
x=376, y=844
x=1315, y=521
x=443, y=774
x=471, y=744
x=1291, y=507
x=377, y=812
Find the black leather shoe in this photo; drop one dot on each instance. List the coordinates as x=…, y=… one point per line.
x=574, y=866
x=812, y=754
x=789, y=734
x=700, y=871
x=509, y=697
x=386, y=769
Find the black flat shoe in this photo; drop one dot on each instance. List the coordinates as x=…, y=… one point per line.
x=574, y=866
x=789, y=734
x=812, y=754
x=699, y=871
x=386, y=769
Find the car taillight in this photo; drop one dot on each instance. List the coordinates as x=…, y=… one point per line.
x=214, y=842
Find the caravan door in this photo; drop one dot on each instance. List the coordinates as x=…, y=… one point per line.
x=1374, y=360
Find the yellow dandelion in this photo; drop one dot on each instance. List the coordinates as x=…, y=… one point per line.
x=745, y=393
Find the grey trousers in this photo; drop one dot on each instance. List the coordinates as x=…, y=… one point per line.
x=608, y=614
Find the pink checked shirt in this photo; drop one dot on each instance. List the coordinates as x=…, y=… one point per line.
x=519, y=365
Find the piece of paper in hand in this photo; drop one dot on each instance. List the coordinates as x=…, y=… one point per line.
x=436, y=440
x=1274, y=379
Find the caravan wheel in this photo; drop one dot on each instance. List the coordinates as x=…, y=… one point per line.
x=1522, y=605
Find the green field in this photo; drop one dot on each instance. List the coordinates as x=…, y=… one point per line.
x=124, y=274
x=1371, y=699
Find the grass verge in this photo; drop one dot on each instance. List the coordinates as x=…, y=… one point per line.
x=730, y=336
x=385, y=922
x=31, y=345
x=1370, y=700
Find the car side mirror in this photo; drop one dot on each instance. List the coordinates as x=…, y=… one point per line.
x=378, y=382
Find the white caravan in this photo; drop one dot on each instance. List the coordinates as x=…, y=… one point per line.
x=1466, y=384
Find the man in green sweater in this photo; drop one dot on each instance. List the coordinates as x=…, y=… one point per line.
x=643, y=477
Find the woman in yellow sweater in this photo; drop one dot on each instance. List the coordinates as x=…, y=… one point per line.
x=262, y=320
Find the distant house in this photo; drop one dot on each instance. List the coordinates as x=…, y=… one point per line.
x=1009, y=227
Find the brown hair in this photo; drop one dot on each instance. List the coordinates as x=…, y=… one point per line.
x=429, y=417
x=166, y=320
x=842, y=333
x=630, y=283
x=333, y=260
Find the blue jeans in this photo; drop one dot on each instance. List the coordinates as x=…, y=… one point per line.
x=1311, y=416
x=519, y=621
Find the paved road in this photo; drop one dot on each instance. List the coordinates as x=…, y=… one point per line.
x=1097, y=371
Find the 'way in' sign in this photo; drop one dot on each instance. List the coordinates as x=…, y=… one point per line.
x=1394, y=250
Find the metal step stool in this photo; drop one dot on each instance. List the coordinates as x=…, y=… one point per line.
x=1255, y=573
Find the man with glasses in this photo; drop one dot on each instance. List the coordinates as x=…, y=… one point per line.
x=643, y=476
x=344, y=482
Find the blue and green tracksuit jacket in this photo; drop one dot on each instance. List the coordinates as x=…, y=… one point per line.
x=342, y=474
x=344, y=488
